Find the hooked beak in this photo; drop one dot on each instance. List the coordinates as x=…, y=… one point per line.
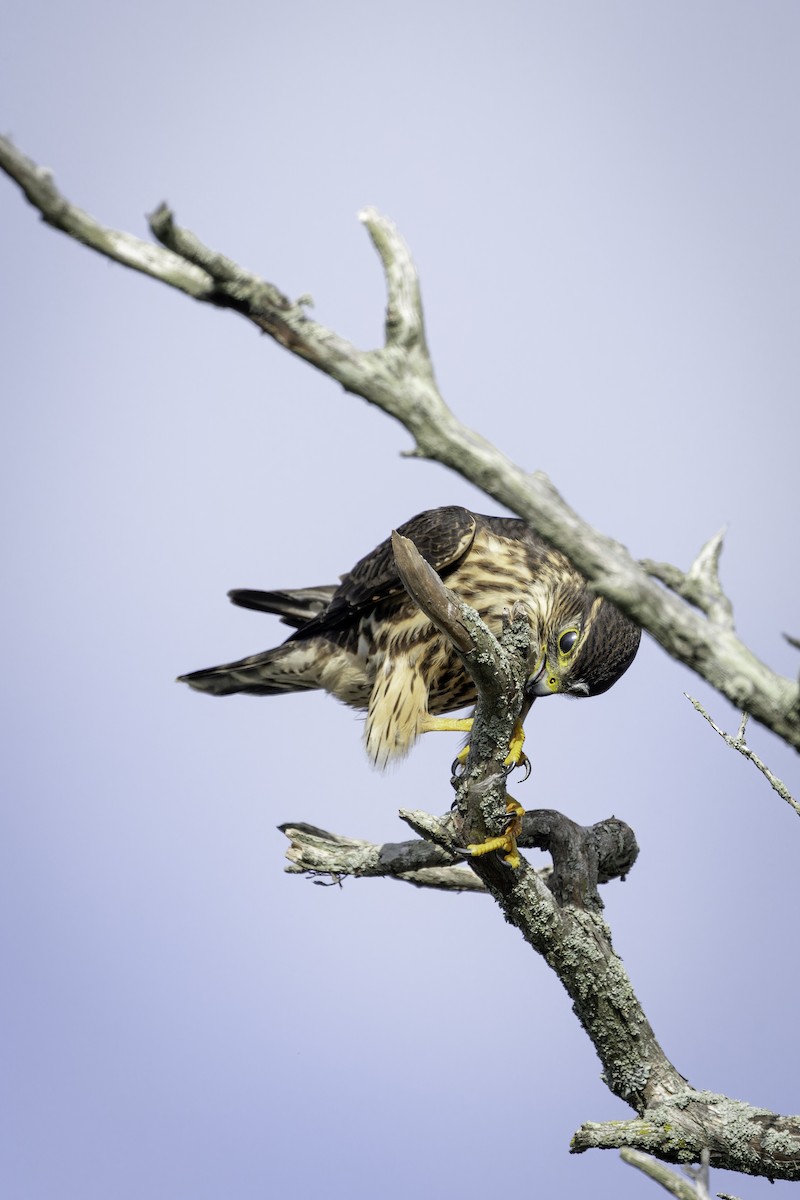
x=537, y=683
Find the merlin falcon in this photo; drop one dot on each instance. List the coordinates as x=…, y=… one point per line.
x=367, y=642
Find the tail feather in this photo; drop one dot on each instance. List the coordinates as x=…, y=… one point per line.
x=295, y=607
x=291, y=667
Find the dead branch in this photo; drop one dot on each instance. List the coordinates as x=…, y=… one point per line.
x=738, y=743
x=562, y=922
x=693, y=1188
x=674, y=1121
x=583, y=856
x=315, y=851
x=399, y=379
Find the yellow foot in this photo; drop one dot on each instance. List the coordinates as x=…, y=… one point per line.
x=514, y=758
x=507, y=843
x=461, y=758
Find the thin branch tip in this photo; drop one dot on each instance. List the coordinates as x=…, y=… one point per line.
x=738, y=743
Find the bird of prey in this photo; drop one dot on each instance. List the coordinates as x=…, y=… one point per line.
x=366, y=641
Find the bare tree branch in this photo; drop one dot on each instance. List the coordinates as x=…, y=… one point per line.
x=314, y=851
x=497, y=667
x=584, y=857
x=676, y=1185
x=675, y=1121
x=738, y=743
x=38, y=186
x=561, y=922
x=691, y=618
x=738, y=1136
x=701, y=585
x=399, y=379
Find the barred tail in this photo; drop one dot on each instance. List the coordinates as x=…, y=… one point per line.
x=292, y=667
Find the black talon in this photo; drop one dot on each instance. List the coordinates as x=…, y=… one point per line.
x=526, y=764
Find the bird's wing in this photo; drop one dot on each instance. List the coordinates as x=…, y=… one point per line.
x=442, y=536
x=294, y=607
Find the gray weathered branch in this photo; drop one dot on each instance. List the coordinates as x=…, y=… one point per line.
x=588, y=856
x=675, y=1122
x=315, y=851
x=690, y=617
x=738, y=1136
x=399, y=379
x=701, y=585
x=695, y=1187
x=738, y=743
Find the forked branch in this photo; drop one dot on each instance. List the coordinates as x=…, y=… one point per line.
x=608, y=849
x=399, y=379
x=674, y=1121
x=738, y=743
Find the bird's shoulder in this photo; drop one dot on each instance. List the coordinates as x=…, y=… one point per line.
x=444, y=537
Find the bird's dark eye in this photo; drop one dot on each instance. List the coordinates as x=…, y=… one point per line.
x=566, y=643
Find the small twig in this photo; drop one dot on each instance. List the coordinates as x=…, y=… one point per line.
x=39, y=188
x=700, y=585
x=738, y=743
x=701, y=1176
x=670, y=1180
x=405, y=324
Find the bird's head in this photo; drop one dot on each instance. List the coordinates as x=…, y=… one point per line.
x=586, y=644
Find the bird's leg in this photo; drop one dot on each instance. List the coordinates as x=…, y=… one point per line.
x=429, y=724
x=507, y=842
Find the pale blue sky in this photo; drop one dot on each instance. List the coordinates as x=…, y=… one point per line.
x=602, y=200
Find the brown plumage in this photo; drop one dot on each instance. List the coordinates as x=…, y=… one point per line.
x=367, y=643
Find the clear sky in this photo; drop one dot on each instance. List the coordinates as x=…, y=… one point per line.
x=602, y=200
